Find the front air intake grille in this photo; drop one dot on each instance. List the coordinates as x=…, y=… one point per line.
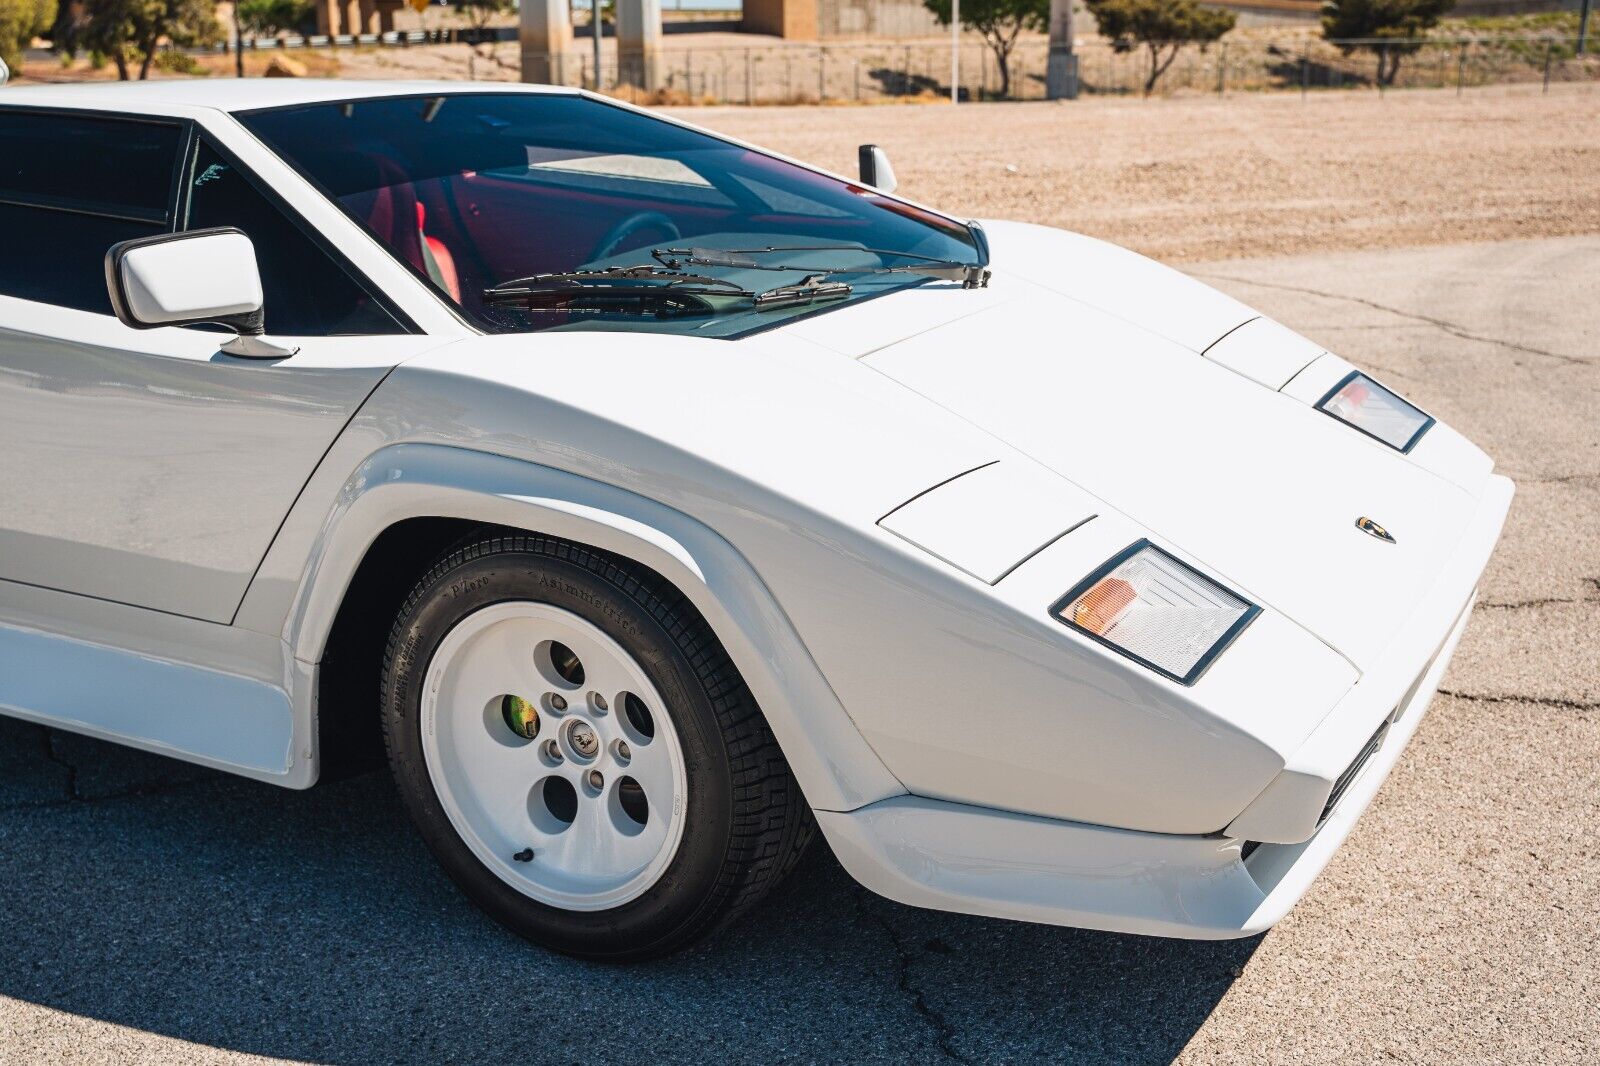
x=1351, y=771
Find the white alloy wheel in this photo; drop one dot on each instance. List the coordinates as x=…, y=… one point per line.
x=553, y=756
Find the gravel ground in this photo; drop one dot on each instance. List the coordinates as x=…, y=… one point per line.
x=1202, y=178
x=157, y=912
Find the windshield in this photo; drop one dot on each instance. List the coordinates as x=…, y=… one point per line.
x=478, y=190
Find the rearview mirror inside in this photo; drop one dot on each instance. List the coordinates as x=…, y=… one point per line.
x=183, y=279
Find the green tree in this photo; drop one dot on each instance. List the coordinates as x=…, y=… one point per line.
x=20, y=22
x=998, y=22
x=132, y=31
x=268, y=18
x=1161, y=27
x=1390, y=29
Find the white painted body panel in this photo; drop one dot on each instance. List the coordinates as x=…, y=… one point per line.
x=146, y=468
x=1262, y=491
x=963, y=748
x=1265, y=352
x=1117, y=282
x=952, y=857
x=1442, y=450
x=218, y=695
x=800, y=504
x=991, y=520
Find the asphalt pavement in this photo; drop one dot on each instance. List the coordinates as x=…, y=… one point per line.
x=151, y=911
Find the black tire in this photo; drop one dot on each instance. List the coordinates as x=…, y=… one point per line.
x=747, y=823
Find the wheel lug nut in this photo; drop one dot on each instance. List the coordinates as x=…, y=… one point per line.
x=558, y=701
x=597, y=780
x=600, y=702
x=622, y=750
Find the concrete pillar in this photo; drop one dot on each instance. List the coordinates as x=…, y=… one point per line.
x=350, y=17
x=795, y=20
x=545, y=34
x=639, y=43
x=1061, y=73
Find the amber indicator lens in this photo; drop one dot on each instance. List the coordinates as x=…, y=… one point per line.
x=1374, y=410
x=1158, y=610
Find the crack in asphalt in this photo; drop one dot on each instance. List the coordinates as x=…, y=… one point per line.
x=1518, y=605
x=75, y=796
x=1557, y=479
x=1447, y=326
x=1593, y=584
x=52, y=752
x=944, y=1032
x=1537, y=701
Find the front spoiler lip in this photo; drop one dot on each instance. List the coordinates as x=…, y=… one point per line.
x=974, y=860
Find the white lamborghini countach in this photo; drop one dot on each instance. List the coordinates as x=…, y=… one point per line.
x=656, y=501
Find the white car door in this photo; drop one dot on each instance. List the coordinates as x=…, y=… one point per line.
x=143, y=466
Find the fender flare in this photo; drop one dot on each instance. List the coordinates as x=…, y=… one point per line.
x=836, y=768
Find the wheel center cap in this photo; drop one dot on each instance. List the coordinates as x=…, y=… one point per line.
x=584, y=742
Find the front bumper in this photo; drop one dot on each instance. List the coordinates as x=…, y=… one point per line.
x=977, y=860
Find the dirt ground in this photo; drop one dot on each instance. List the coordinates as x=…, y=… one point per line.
x=1267, y=174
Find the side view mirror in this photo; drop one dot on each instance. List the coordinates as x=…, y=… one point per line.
x=182, y=279
x=875, y=168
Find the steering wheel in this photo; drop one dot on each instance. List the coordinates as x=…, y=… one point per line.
x=612, y=242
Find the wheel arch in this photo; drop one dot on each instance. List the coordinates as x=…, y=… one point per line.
x=408, y=502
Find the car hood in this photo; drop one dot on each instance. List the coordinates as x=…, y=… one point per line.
x=1254, y=484
x=1123, y=284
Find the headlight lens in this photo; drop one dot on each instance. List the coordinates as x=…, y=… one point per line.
x=1154, y=609
x=1362, y=403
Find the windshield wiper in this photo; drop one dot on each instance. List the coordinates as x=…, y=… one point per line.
x=808, y=291
x=605, y=276
x=649, y=289
x=970, y=275
x=642, y=289
x=615, y=299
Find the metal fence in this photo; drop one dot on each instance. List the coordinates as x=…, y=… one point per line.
x=878, y=72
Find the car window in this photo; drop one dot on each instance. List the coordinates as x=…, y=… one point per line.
x=306, y=293
x=787, y=202
x=476, y=192
x=70, y=188
x=619, y=173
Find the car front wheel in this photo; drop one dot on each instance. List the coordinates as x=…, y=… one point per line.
x=579, y=753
